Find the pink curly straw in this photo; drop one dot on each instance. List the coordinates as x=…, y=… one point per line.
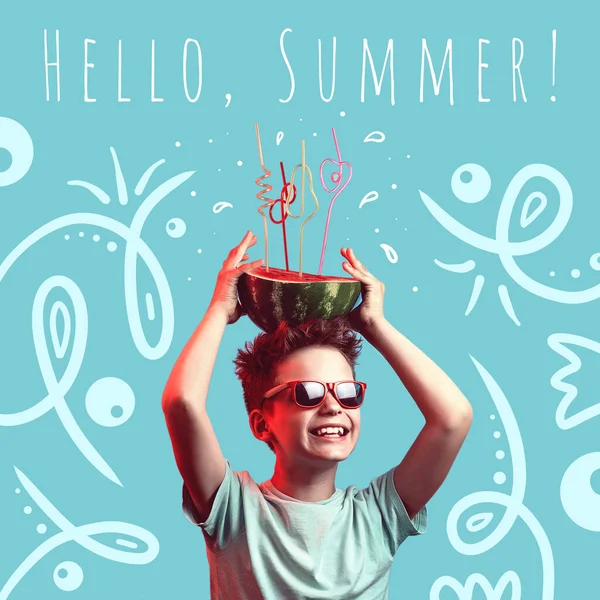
x=336, y=178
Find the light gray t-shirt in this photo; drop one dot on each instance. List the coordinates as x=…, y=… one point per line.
x=264, y=545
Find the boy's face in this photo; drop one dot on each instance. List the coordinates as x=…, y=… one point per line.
x=291, y=424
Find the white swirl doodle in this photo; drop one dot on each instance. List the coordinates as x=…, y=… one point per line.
x=58, y=388
x=219, y=206
x=375, y=136
x=465, y=592
x=557, y=342
x=370, y=197
x=513, y=502
x=475, y=190
x=82, y=535
x=134, y=247
x=390, y=253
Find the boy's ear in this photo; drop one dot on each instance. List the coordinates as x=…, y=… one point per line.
x=259, y=425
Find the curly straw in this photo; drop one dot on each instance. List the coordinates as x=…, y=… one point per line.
x=339, y=187
x=261, y=194
x=312, y=191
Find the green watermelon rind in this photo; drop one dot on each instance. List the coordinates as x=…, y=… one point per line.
x=268, y=300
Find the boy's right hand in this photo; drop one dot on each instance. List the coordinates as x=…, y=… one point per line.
x=225, y=295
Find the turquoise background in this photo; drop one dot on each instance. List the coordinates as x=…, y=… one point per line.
x=241, y=57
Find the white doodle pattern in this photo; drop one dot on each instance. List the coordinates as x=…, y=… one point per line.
x=134, y=247
x=82, y=535
x=513, y=503
x=579, y=499
x=59, y=388
x=475, y=191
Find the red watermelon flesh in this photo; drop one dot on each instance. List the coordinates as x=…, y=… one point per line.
x=270, y=296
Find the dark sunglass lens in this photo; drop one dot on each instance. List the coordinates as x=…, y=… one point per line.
x=349, y=393
x=309, y=393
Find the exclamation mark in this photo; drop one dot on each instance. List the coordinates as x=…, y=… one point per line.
x=553, y=98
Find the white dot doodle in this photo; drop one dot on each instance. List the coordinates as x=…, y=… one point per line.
x=390, y=253
x=579, y=499
x=96, y=237
x=178, y=144
x=41, y=528
x=81, y=234
x=17, y=490
x=415, y=289
x=343, y=114
x=500, y=454
x=68, y=576
x=67, y=237
x=375, y=137
x=575, y=273
x=477, y=185
x=123, y=546
x=370, y=197
x=193, y=193
x=219, y=206
x=176, y=227
x=27, y=510
x=239, y=163
x=499, y=477
x=394, y=186
x=111, y=246
x=497, y=434
x=16, y=140
x=110, y=402
x=199, y=250
x=376, y=230
x=210, y=141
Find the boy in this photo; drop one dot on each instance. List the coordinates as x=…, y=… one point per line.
x=297, y=536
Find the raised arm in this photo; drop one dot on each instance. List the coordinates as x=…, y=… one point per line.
x=447, y=412
x=197, y=452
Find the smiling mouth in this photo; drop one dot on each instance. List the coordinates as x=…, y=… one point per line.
x=330, y=437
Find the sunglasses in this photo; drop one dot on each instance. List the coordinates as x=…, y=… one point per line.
x=310, y=394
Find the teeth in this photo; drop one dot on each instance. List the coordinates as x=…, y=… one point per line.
x=330, y=430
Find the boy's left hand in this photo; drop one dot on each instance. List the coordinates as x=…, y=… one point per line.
x=370, y=310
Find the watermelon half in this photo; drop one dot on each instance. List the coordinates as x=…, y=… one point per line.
x=272, y=296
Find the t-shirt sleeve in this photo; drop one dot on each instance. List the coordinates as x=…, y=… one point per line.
x=225, y=523
x=384, y=503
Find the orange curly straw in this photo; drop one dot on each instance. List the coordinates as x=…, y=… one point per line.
x=260, y=195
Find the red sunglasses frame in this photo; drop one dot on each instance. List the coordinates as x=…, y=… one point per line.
x=326, y=385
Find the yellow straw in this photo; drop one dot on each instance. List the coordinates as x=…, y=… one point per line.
x=260, y=195
x=312, y=191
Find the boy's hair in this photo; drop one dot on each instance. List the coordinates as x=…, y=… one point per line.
x=255, y=365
